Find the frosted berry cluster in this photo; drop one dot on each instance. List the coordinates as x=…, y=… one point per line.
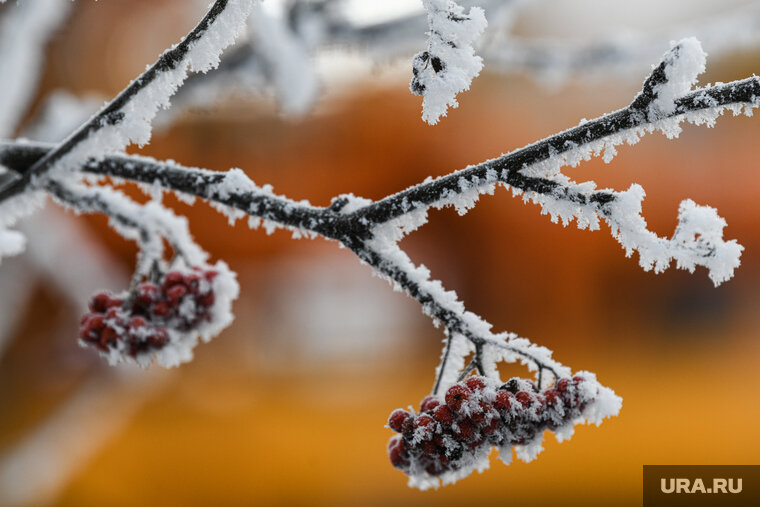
x=452, y=434
x=141, y=322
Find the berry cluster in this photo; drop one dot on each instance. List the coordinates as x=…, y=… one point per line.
x=450, y=432
x=137, y=323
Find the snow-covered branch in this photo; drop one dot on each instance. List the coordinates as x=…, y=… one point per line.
x=466, y=332
x=127, y=118
x=448, y=65
x=176, y=299
x=533, y=171
x=373, y=229
x=232, y=190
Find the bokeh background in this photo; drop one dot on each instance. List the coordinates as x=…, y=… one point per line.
x=287, y=406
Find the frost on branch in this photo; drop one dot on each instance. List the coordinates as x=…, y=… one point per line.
x=172, y=303
x=535, y=173
x=674, y=77
x=449, y=64
x=697, y=240
x=127, y=118
x=452, y=435
x=131, y=122
x=700, y=230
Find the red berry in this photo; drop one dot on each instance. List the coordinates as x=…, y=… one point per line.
x=176, y=293
x=475, y=383
x=108, y=336
x=173, y=278
x=159, y=338
x=210, y=275
x=92, y=324
x=502, y=401
x=397, y=455
x=465, y=430
x=96, y=322
x=137, y=323
x=479, y=417
x=429, y=448
x=524, y=398
x=456, y=396
x=99, y=302
x=147, y=293
x=396, y=441
x=577, y=379
x=562, y=385
x=192, y=282
x=397, y=418
x=407, y=427
x=423, y=421
x=429, y=403
x=135, y=348
x=161, y=309
x=443, y=414
x=206, y=299
x=115, y=302
x=551, y=396
x=492, y=426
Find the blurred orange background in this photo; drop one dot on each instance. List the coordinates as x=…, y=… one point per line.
x=287, y=406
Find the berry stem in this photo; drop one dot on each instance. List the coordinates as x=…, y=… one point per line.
x=470, y=367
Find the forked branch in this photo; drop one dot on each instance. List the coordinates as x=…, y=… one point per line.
x=193, y=299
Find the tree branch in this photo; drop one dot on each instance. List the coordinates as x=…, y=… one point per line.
x=372, y=229
x=510, y=168
x=125, y=107
x=516, y=170
x=388, y=260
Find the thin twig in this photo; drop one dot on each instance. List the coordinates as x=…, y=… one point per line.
x=113, y=112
